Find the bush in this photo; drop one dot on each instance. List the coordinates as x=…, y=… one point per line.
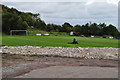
x=105, y=36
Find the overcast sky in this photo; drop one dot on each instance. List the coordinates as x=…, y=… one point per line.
x=72, y=12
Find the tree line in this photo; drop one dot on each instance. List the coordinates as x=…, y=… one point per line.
x=12, y=19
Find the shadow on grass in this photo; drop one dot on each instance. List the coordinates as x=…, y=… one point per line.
x=71, y=43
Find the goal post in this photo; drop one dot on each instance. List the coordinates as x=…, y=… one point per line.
x=11, y=31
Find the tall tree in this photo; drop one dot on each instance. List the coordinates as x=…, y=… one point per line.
x=67, y=27
x=94, y=30
x=77, y=28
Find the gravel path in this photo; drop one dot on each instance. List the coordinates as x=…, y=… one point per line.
x=86, y=53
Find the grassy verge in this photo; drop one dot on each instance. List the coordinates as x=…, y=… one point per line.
x=58, y=41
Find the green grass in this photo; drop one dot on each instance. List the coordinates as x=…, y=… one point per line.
x=58, y=41
x=32, y=32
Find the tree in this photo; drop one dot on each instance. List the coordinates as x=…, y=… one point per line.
x=85, y=29
x=94, y=30
x=66, y=27
x=49, y=27
x=77, y=28
x=9, y=22
x=111, y=30
x=53, y=27
x=14, y=19
x=102, y=28
x=39, y=24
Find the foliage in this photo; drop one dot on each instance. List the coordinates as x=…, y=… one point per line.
x=67, y=27
x=12, y=19
x=97, y=29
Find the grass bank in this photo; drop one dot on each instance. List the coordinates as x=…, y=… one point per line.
x=58, y=41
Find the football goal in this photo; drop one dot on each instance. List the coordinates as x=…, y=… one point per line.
x=18, y=32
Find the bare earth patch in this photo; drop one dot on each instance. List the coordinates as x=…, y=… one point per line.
x=15, y=65
x=19, y=64
x=72, y=72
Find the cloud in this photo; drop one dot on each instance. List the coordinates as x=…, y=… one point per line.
x=115, y=2
x=73, y=12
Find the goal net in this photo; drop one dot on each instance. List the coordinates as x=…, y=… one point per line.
x=18, y=32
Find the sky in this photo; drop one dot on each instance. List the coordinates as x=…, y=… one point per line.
x=74, y=12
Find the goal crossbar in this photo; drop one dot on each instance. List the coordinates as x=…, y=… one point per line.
x=18, y=31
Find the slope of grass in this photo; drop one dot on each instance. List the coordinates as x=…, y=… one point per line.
x=32, y=32
x=58, y=41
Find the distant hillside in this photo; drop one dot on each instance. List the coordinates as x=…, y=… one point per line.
x=13, y=19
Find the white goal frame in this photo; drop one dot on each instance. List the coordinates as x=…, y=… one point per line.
x=11, y=31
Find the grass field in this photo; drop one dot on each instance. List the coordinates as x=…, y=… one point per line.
x=58, y=41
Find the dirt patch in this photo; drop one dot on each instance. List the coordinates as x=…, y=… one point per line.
x=72, y=72
x=16, y=64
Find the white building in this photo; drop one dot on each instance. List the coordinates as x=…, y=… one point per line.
x=71, y=33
